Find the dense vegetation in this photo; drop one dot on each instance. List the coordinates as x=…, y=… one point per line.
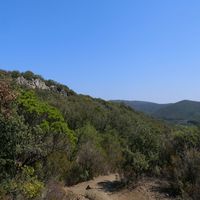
x=48, y=138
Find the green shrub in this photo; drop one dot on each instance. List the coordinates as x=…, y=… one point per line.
x=30, y=75
x=76, y=174
x=32, y=189
x=186, y=174
x=57, y=165
x=25, y=185
x=135, y=164
x=15, y=74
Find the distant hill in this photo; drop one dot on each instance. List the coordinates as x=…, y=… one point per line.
x=143, y=106
x=185, y=111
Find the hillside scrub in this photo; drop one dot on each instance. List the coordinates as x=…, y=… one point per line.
x=48, y=137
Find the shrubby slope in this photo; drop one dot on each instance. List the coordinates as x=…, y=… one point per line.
x=50, y=134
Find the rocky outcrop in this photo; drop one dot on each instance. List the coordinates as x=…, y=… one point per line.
x=40, y=84
x=33, y=83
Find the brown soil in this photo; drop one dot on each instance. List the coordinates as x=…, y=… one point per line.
x=106, y=188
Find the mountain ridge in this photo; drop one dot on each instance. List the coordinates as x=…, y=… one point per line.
x=184, y=111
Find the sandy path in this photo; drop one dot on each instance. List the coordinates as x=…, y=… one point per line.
x=97, y=185
x=104, y=185
x=94, y=184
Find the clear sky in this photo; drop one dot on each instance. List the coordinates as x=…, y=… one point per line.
x=112, y=49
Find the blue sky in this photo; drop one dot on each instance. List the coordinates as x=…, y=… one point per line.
x=112, y=49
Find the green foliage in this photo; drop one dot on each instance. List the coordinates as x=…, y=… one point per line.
x=182, y=155
x=29, y=184
x=135, y=164
x=185, y=174
x=186, y=137
x=32, y=189
x=11, y=131
x=112, y=147
x=35, y=111
x=90, y=155
x=50, y=82
x=15, y=74
x=7, y=97
x=57, y=165
x=30, y=75
x=49, y=119
x=35, y=133
x=146, y=141
x=76, y=174
x=25, y=185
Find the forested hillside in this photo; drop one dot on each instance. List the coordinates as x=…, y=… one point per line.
x=51, y=135
x=188, y=111
x=182, y=112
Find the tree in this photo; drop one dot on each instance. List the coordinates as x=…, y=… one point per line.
x=90, y=154
x=7, y=97
x=48, y=132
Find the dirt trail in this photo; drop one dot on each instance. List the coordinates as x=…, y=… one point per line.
x=104, y=189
